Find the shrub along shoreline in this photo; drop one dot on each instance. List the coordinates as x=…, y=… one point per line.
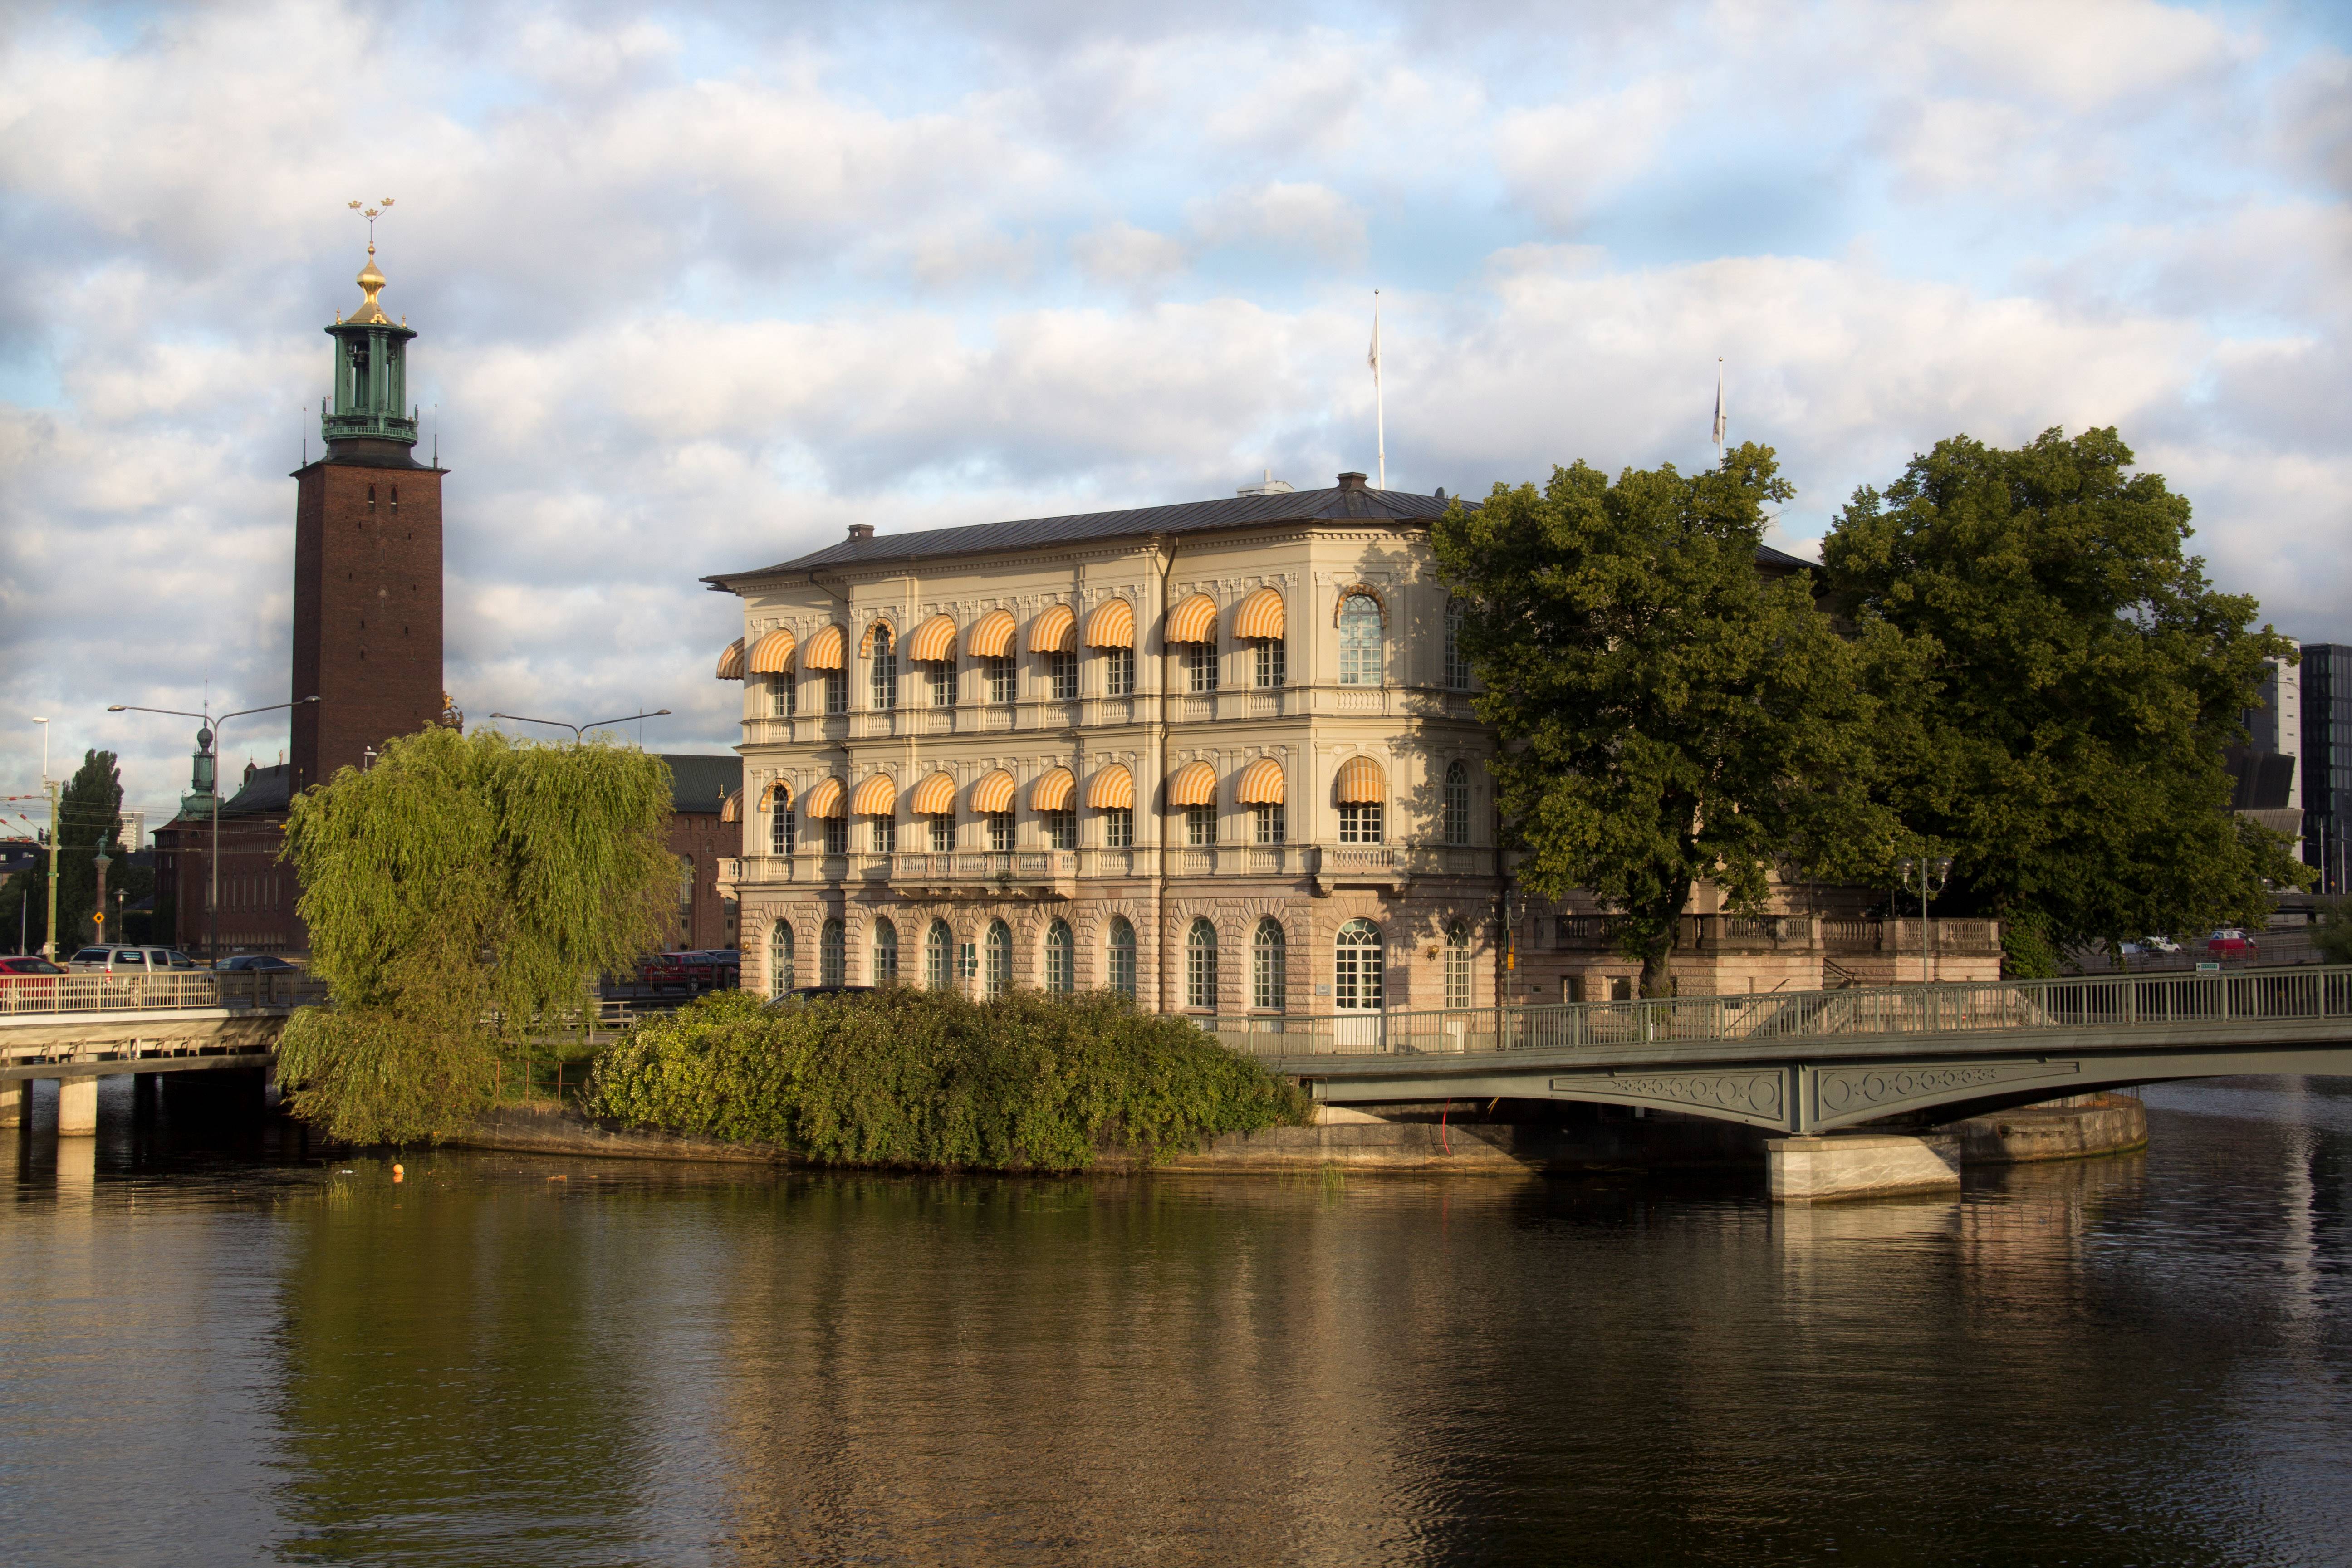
x=935, y=1080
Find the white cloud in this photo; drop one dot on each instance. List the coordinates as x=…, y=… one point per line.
x=1294, y=216
x=1562, y=157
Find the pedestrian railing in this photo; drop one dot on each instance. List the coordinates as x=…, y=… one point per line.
x=271, y=990
x=1955, y=1011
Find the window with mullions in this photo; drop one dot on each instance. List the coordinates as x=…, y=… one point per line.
x=784, y=695
x=939, y=956
x=1061, y=829
x=1273, y=663
x=1061, y=959
x=836, y=692
x=1118, y=828
x=1457, y=668
x=1200, y=825
x=780, y=959
x=885, y=840
x=999, y=973
x=941, y=677
x=1457, y=965
x=781, y=840
x=1200, y=966
x=1200, y=666
x=999, y=678
x=885, y=953
x=1359, y=641
x=942, y=835
x=1269, y=825
x=836, y=835
x=1457, y=804
x=1270, y=954
x=999, y=832
x=884, y=670
x=1356, y=968
x=1118, y=672
x=1360, y=824
x=1121, y=954
x=1062, y=676
x=832, y=955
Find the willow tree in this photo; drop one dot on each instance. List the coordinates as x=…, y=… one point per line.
x=459, y=894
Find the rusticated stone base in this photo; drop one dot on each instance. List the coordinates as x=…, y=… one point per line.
x=1860, y=1164
x=2076, y=1128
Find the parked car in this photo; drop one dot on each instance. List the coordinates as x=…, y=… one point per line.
x=245, y=962
x=2230, y=943
x=27, y=978
x=130, y=961
x=715, y=969
x=2149, y=944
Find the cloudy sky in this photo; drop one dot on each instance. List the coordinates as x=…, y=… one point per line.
x=698, y=287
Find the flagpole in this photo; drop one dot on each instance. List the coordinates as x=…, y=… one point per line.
x=1380, y=397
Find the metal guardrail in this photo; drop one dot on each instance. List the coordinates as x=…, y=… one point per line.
x=23, y=994
x=1948, y=1011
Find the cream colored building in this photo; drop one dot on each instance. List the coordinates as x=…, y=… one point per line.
x=1220, y=754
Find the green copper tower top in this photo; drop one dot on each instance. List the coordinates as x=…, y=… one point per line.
x=371, y=366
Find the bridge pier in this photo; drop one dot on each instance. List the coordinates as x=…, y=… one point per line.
x=77, y=1107
x=16, y=1102
x=1861, y=1164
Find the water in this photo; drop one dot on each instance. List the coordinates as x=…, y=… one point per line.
x=234, y=1356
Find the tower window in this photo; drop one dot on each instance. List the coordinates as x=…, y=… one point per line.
x=370, y=497
x=395, y=498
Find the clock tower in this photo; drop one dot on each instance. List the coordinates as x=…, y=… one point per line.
x=367, y=556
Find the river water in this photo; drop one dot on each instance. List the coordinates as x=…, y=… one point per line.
x=238, y=1355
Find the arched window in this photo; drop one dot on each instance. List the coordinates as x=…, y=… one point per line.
x=1061, y=959
x=780, y=958
x=1359, y=641
x=884, y=667
x=1457, y=668
x=1356, y=969
x=1457, y=965
x=783, y=839
x=998, y=977
x=939, y=956
x=1122, y=956
x=1457, y=804
x=885, y=953
x=1268, y=954
x=1200, y=966
x=832, y=955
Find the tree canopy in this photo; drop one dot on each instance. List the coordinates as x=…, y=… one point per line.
x=89, y=813
x=1669, y=712
x=458, y=893
x=2077, y=680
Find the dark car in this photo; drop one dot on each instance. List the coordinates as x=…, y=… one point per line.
x=245, y=963
x=715, y=969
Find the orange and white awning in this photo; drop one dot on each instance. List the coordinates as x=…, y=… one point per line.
x=1194, y=784
x=934, y=796
x=826, y=650
x=1261, y=784
x=824, y=799
x=933, y=642
x=1113, y=790
x=877, y=796
x=1053, y=790
x=1194, y=620
x=1056, y=630
x=731, y=663
x=990, y=637
x=777, y=796
x=731, y=808
x=1362, y=782
x=1112, y=624
x=993, y=793
x=772, y=654
x=1260, y=615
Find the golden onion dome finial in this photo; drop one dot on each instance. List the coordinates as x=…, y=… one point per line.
x=371, y=281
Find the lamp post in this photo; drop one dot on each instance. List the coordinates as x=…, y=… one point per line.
x=49, y=931
x=579, y=731
x=1929, y=875
x=212, y=891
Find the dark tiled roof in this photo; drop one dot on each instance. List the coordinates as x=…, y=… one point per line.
x=265, y=790
x=1337, y=504
x=701, y=783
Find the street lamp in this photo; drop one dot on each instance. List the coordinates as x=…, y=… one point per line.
x=50, y=940
x=579, y=731
x=212, y=893
x=1929, y=875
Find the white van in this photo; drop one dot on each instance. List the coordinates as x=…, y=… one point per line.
x=130, y=961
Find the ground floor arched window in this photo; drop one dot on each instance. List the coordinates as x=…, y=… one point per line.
x=1356, y=968
x=1061, y=959
x=998, y=976
x=1200, y=966
x=832, y=955
x=1269, y=952
x=1121, y=954
x=780, y=958
x=939, y=956
x=1457, y=965
x=885, y=953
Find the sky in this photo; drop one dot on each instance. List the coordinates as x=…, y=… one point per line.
x=698, y=287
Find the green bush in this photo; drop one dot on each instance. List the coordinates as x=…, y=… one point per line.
x=2331, y=933
x=904, y=1076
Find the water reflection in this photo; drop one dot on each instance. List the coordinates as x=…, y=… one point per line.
x=2126, y=1360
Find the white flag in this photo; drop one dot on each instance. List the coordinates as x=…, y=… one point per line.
x=1719, y=402
x=1373, y=358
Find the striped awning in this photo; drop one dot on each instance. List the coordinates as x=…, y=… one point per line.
x=1194, y=784
x=1112, y=624
x=1053, y=790
x=990, y=637
x=1261, y=784
x=1361, y=783
x=877, y=796
x=933, y=642
x=1056, y=630
x=777, y=796
x=826, y=650
x=731, y=663
x=1113, y=790
x=934, y=796
x=1260, y=614
x=881, y=629
x=772, y=654
x=731, y=808
x=1194, y=620
x=824, y=799
x=993, y=793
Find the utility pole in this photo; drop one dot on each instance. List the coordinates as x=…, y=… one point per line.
x=50, y=935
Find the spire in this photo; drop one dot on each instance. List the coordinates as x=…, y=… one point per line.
x=371, y=366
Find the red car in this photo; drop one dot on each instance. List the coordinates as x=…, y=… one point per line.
x=714, y=970
x=27, y=981
x=2230, y=943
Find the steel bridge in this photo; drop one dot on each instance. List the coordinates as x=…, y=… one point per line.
x=1814, y=1061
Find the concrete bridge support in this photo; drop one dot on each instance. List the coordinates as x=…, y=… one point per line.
x=1857, y=1164
x=16, y=1102
x=77, y=1107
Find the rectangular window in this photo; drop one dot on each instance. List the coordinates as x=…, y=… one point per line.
x=885, y=835
x=883, y=673
x=1360, y=824
x=1200, y=825
x=1062, y=670
x=779, y=830
x=1200, y=666
x=1118, y=672
x=1118, y=828
x=836, y=835
x=942, y=835
x=1268, y=824
x=836, y=692
x=1457, y=668
x=999, y=832
x=1457, y=975
x=1000, y=679
x=942, y=679
x=783, y=699
x=1273, y=660
x=1061, y=829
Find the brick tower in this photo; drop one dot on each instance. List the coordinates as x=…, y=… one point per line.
x=367, y=558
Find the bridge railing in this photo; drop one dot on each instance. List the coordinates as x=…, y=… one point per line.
x=2152, y=1002
x=23, y=994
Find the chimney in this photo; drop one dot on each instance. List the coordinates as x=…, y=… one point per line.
x=858, y=530
x=1351, y=481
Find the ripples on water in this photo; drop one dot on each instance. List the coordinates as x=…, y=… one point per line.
x=236, y=1354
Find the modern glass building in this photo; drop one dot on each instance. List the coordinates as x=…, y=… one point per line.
x=2327, y=761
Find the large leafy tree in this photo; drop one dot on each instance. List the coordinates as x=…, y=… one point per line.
x=2080, y=680
x=1669, y=713
x=89, y=813
x=461, y=895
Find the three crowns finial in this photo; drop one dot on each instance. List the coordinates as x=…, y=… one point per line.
x=370, y=213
